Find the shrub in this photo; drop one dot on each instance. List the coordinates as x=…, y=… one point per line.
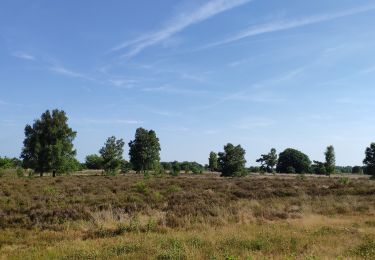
x=344, y=180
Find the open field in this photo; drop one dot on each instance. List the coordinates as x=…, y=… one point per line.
x=196, y=217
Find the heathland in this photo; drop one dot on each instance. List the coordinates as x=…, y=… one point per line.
x=89, y=216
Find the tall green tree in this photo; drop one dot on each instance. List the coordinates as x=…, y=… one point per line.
x=212, y=161
x=48, y=144
x=369, y=160
x=268, y=161
x=144, y=150
x=111, y=153
x=330, y=163
x=293, y=161
x=232, y=160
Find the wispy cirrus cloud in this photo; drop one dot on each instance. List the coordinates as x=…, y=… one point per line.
x=167, y=89
x=69, y=73
x=290, y=24
x=110, y=121
x=23, y=55
x=178, y=24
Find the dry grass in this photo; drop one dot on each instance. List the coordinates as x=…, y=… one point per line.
x=203, y=217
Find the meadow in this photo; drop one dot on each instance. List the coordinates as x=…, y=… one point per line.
x=187, y=217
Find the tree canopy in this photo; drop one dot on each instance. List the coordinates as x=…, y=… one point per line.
x=330, y=164
x=111, y=153
x=48, y=144
x=94, y=162
x=268, y=161
x=292, y=160
x=369, y=160
x=144, y=150
x=212, y=161
x=232, y=160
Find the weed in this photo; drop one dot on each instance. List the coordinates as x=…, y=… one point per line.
x=344, y=181
x=366, y=250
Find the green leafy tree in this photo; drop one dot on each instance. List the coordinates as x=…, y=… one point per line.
x=318, y=168
x=144, y=150
x=330, y=163
x=212, y=162
x=268, y=161
x=126, y=166
x=176, y=168
x=94, y=162
x=369, y=160
x=232, y=160
x=292, y=160
x=6, y=163
x=357, y=170
x=111, y=153
x=48, y=144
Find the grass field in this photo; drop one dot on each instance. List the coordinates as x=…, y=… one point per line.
x=186, y=217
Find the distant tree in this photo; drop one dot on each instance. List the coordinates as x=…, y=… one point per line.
x=343, y=169
x=166, y=166
x=369, y=160
x=232, y=160
x=48, y=144
x=212, y=162
x=330, y=163
x=357, y=170
x=254, y=169
x=126, y=166
x=6, y=163
x=176, y=168
x=111, y=153
x=268, y=161
x=318, y=168
x=292, y=160
x=94, y=162
x=144, y=150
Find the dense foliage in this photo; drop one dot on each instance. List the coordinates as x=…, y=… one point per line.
x=48, y=144
x=94, y=162
x=111, y=154
x=144, y=150
x=369, y=160
x=330, y=163
x=232, y=160
x=268, y=161
x=212, y=161
x=293, y=161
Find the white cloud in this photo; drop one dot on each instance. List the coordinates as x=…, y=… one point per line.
x=178, y=24
x=23, y=55
x=174, y=90
x=368, y=70
x=111, y=121
x=70, y=73
x=290, y=24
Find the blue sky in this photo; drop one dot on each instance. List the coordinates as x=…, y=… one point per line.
x=200, y=73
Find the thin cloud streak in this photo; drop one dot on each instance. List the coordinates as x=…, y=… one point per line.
x=23, y=55
x=110, y=121
x=286, y=25
x=178, y=24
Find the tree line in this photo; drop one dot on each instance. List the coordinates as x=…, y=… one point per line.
x=48, y=148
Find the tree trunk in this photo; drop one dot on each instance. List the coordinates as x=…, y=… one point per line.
x=41, y=174
x=54, y=174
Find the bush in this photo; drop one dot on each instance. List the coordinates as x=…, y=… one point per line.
x=344, y=180
x=20, y=172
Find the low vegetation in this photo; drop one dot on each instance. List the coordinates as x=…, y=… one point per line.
x=186, y=217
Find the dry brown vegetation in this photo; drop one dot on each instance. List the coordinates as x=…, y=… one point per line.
x=199, y=217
